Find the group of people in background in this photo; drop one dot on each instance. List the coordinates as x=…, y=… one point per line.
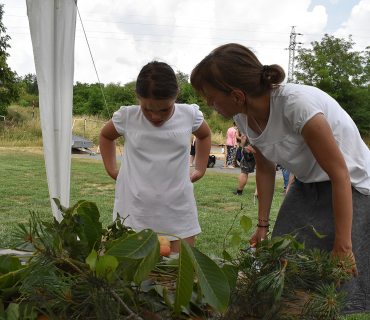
x=299, y=127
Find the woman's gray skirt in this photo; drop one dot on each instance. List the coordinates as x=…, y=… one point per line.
x=311, y=203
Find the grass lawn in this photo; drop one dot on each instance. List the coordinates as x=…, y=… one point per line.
x=24, y=188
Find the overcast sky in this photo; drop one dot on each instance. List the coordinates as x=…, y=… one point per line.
x=125, y=35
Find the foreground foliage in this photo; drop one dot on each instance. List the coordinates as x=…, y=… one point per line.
x=78, y=270
x=281, y=280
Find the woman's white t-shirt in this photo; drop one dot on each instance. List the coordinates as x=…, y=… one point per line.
x=291, y=106
x=153, y=188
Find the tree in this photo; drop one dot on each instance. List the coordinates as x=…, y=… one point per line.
x=9, y=87
x=95, y=104
x=188, y=95
x=334, y=67
x=80, y=97
x=30, y=83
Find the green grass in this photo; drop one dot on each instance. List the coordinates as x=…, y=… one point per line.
x=24, y=188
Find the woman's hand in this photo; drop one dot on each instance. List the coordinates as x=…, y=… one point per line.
x=258, y=235
x=351, y=257
x=249, y=149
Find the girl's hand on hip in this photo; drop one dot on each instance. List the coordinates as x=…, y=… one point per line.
x=114, y=174
x=196, y=175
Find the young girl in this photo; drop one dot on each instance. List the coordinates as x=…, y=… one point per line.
x=153, y=188
x=305, y=130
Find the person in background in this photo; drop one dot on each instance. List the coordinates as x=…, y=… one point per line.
x=231, y=145
x=239, y=150
x=308, y=133
x=286, y=175
x=192, y=151
x=153, y=188
x=247, y=165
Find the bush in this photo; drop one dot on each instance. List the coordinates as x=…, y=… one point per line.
x=217, y=123
x=27, y=100
x=24, y=103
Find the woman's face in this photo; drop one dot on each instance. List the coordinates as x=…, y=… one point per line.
x=157, y=112
x=224, y=104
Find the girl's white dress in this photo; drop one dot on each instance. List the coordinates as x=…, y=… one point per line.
x=153, y=188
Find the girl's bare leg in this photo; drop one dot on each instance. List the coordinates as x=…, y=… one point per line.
x=175, y=245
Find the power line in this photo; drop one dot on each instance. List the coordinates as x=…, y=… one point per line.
x=179, y=18
x=174, y=36
x=189, y=43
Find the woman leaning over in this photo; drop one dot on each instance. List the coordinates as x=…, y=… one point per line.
x=308, y=133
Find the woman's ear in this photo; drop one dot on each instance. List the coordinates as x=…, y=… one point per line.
x=238, y=96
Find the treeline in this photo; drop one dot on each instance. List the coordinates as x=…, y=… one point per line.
x=330, y=65
x=89, y=100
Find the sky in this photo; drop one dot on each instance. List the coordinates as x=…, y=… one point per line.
x=125, y=35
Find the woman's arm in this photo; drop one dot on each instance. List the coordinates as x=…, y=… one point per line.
x=107, y=143
x=202, y=149
x=320, y=139
x=265, y=179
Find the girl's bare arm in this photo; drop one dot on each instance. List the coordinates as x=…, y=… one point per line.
x=107, y=143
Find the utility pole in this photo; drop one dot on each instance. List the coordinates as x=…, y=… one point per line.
x=291, y=49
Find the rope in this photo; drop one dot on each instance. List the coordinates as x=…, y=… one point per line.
x=96, y=71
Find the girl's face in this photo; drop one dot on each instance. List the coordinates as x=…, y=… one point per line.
x=224, y=104
x=157, y=112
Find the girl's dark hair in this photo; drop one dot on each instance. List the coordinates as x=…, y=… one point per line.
x=156, y=80
x=235, y=67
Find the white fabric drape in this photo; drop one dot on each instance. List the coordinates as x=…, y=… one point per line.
x=53, y=25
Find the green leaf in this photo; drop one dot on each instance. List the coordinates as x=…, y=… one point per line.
x=2, y=312
x=282, y=245
x=127, y=268
x=235, y=240
x=147, y=264
x=106, y=266
x=318, y=234
x=227, y=256
x=9, y=263
x=213, y=281
x=231, y=272
x=12, y=312
x=136, y=246
x=297, y=246
x=185, y=279
x=246, y=223
x=92, y=227
x=91, y=259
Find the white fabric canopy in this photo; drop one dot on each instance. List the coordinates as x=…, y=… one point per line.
x=53, y=26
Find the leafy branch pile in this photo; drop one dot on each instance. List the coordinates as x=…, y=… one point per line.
x=281, y=280
x=78, y=270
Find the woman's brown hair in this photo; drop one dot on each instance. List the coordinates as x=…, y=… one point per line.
x=235, y=67
x=156, y=80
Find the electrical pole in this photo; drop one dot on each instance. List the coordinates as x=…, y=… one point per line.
x=291, y=49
